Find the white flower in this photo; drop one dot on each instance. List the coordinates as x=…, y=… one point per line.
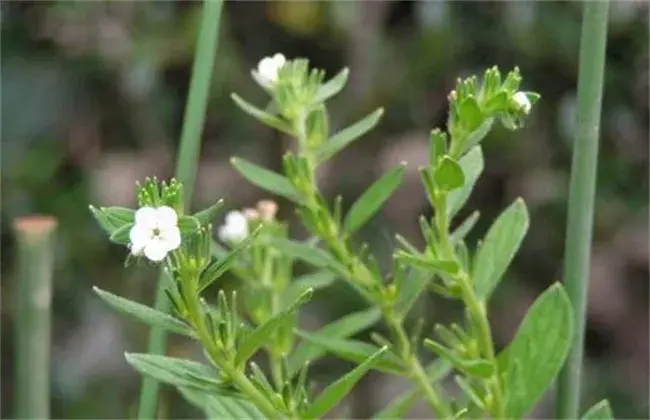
x=235, y=229
x=522, y=102
x=155, y=232
x=269, y=67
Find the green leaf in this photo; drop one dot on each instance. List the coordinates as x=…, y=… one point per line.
x=354, y=351
x=208, y=215
x=409, y=288
x=113, y=218
x=398, y=407
x=264, y=117
x=265, y=179
x=437, y=145
x=177, y=372
x=472, y=165
x=306, y=252
x=446, y=267
x=599, y=411
x=121, y=235
x=371, y=201
x=221, y=406
x=334, y=393
x=499, y=248
x=225, y=262
x=344, y=327
x=332, y=87
x=188, y=225
x=315, y=280
x=475, y=137
x=261, y=335
x=464, y=228
x=533, y=359
x=470, y=113
x=449, y=175
x=317, y=126
x=346, y=136
x=145, y=314
x=474, y=367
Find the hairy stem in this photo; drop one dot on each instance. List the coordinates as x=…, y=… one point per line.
x=186, y=169
x=581, y=195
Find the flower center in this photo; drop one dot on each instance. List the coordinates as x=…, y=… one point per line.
x=155, y=232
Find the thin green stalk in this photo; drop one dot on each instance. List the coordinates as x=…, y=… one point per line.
x=33, y=317
x=581, y=195
x=186, y=168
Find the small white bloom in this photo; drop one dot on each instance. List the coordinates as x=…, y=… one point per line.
x=269, y=67
x=235, y=229
x=155, y=232
x=522, y=102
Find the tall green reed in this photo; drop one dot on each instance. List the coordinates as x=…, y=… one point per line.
x=186, y=167
x=581, y=195
x=35, y=237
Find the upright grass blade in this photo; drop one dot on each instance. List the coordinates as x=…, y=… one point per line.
x=581, y=195
x=33, y=322
x=186, y=168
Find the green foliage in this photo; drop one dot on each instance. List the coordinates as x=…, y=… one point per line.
x=371, y=201
x=534, y=357
x=599, y=411
x=346, y=136
x=265, y=179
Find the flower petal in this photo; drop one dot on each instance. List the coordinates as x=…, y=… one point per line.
x=166, y=217
x=156, y=250
x=145, y=216
x=171, y=237
x=139, y=236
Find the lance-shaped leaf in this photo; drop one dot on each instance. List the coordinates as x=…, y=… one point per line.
x=346, y=136
x=316, y=280
x=533, y=359
x=262, y=116
x=343, y=327
x=332, y=86
x=261, y=335
x=427, y=263
x=308, y=253
x=410, y=284
x=499, y=248
x=113, y=218
x=226, y=405
x=474, y=367
x=472, y=166
x=464, y=228
x=145, y=314
x=207, y=216
x=121, y=234
x=371, y=201
x=398, y=407
x=177, y=372
x=334, y=393
x=188, y=225
x=355, y=351
x=599, y=411
x=265, y=179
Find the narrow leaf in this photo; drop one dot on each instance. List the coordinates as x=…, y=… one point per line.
x=261, y=335
x=332, y=87
x=145, y=314
x=344, y=327
x=371, y=201
x=188, y=225
x=308, y=253
x=121, y=235
x=411, y=286
x=176, y=372
x=474, y=367
x=265, y=179
x=354, y=351
x=346, y=136
x=264, y=117
x=208, y=215
x=222, y=405
x=464, y=228
x=499, y=247
x=599, y=411
x=418, y=261
x=533, y=359
x=333, y=394
x=472, y=166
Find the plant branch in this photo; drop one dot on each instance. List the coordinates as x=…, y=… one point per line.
x=581, y=195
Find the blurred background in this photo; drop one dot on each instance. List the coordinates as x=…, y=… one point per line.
x=92, y=100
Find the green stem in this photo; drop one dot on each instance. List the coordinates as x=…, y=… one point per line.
x=475, y=306
x=186, y=168
x=581, y=195
x=33, y=318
